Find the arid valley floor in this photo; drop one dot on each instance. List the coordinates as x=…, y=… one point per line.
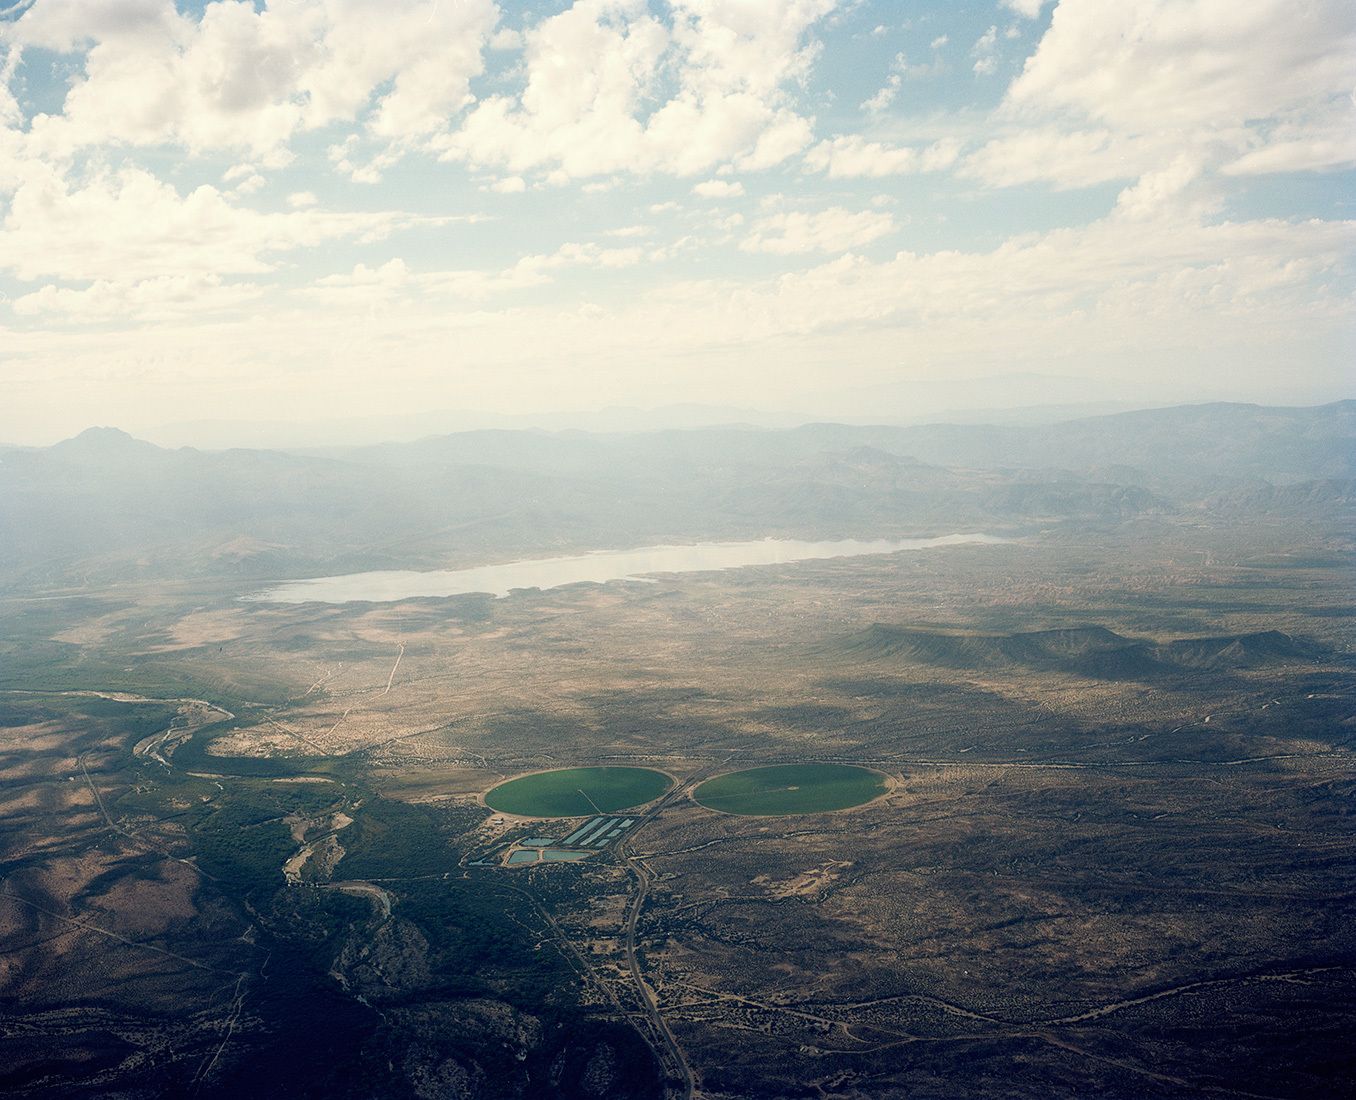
x=245, y=850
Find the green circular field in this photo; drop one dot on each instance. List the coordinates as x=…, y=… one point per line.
x=578, y=792
x=791, y=789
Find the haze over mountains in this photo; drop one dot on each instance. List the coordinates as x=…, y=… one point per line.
x=117, y=507
x=1017, y=397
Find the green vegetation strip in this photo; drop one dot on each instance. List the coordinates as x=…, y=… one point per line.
x=791, y=789
x=577, y=792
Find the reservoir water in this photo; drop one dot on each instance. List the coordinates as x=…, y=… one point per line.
x=599, y=567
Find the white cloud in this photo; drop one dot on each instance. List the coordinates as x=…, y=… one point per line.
x=249, y=185
x=60, y=26
x=1190, y=62
x=1154, y=190
x=238, y=77
x=593, y=256
x=985, y=53
x=938, y=42
x=592, y=72
x=529, y=271
x=11, y=114
x=1237, y=301
x=1122, y=266
x=1175, y=103
x=1030, y=8
x=832, y=230
x=393, y=282
x=1077, y=158
x=883, y=98
x=1124, y=293
x=718, y=189
x=1113, y=92
x=364, y=287
x=849, y=156
x=392, y=273
x=924, y=70
x=160, y=298
x=1299, y=145
x=131, y=226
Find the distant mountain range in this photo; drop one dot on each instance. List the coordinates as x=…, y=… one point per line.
x=1189, y=441
x=1018, y=397
x=106, y=505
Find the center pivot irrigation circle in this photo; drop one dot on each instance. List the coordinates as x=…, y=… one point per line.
x=577, y=792
x=791, y=789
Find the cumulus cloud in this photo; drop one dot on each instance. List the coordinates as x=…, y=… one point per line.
x=1066, y=158
x=160, y=298
x=883, y=98
x=832, y=230
x=1163, y=98
x=363, y=287
x=241, y=77
x=1138, y=289
x=1126, y=294
x=594, y=103
x=62, y=24
x=1190, y=62
x=366, y=287
x=529, y=271
x=718, y=189
x=1118, y=264
x=1030, y=8
x=588, y=254
x=985, y=53
x=607, y=86
x=1116, y=91
x=849, y=155
x=131, y=226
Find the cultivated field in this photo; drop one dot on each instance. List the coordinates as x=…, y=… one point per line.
x=577, y=792
x=790, y=789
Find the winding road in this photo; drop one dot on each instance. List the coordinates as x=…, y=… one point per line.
x=646, y=997
x=644, y=878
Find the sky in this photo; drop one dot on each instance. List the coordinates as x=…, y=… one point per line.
x=308, y=210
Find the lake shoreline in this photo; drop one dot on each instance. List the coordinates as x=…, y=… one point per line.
x=599, y=567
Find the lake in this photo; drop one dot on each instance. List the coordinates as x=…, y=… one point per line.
x=599, y=567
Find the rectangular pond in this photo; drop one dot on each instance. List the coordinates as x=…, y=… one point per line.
x=598, y=567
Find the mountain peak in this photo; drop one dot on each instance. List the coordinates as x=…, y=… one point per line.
x=103, y=437
x=102, y=443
